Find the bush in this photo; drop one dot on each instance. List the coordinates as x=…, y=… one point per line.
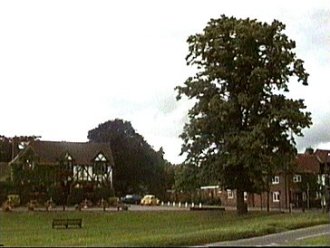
x=25, y=195
x=56, y=193
x=214, y=201
x=14, y=200
x=76, y=196
x=184, y=198
x=6, y=188
x=113, y=201
x=102, y=193
x=6, y=206
x=32, y=205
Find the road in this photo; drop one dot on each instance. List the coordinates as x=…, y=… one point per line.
x=278, y=239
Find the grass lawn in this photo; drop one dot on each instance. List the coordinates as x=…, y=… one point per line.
x=167, y=228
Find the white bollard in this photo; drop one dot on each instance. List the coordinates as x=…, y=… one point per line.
x=186, y=205
x=179, y=204
x=192, y=205
x=168, y=203
x=162, y=203
x=200, y=205
x=174, y=204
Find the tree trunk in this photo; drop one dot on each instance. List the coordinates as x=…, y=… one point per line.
x=268, y=200
x=240, y=204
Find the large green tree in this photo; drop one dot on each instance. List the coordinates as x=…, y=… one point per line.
x=243, y=122
x=138, y=167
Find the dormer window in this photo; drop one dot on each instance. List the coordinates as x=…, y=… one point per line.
x=68, y=161
x=100, y=167
x=100, y=158
x=68, y=157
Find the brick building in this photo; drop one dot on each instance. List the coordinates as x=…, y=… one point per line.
x=306, y=186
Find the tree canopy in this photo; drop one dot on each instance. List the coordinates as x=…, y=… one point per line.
x=138, y=167
x=10, y=146
x=243, y=123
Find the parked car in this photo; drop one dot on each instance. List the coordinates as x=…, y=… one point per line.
x=150, y=200
x=131, y=199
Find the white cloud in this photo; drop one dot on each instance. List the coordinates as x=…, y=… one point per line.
x=66, y=66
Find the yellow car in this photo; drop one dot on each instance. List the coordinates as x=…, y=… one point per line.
x=150, y=200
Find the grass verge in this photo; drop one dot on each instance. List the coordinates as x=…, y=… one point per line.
x=168, y=228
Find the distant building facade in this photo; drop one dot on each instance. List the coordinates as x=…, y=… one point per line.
x=41, y=165
x=307, y=186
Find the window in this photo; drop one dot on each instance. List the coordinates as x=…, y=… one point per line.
x=68, y=162
x=82, y=173
x=100, y=157
x=100, y=168
x=276, y=180
x=276, y=196
x=230, y=194
x=297, y=178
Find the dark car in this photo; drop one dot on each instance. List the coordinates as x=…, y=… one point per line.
x=131, y=199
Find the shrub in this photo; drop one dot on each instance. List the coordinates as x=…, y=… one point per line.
x=102, y=193
x=214, y=201
x=76, y=196
x=32, y=205
x=113, y=201
x=6, y=188
x=6, y=206
x=56, y=193
x=14, y=200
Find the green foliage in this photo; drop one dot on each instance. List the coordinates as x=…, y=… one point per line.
x=169, y=175
x=76, y=196
x=186, y=178
x=56, y=193
x=9, y=146
x=242, y=123
x=6, y=188
x=138, y=168
x=31, y=178
x=14, y=200
x=102, y=193
x=113, y=201
x=5, y=149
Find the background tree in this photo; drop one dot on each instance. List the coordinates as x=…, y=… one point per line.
x=138, y=167
x=169, y=175
x=187, y=178
x=242, y=123
x=10, y=146
x=5, y=149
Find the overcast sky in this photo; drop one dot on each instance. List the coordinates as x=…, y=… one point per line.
x=67, y=66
